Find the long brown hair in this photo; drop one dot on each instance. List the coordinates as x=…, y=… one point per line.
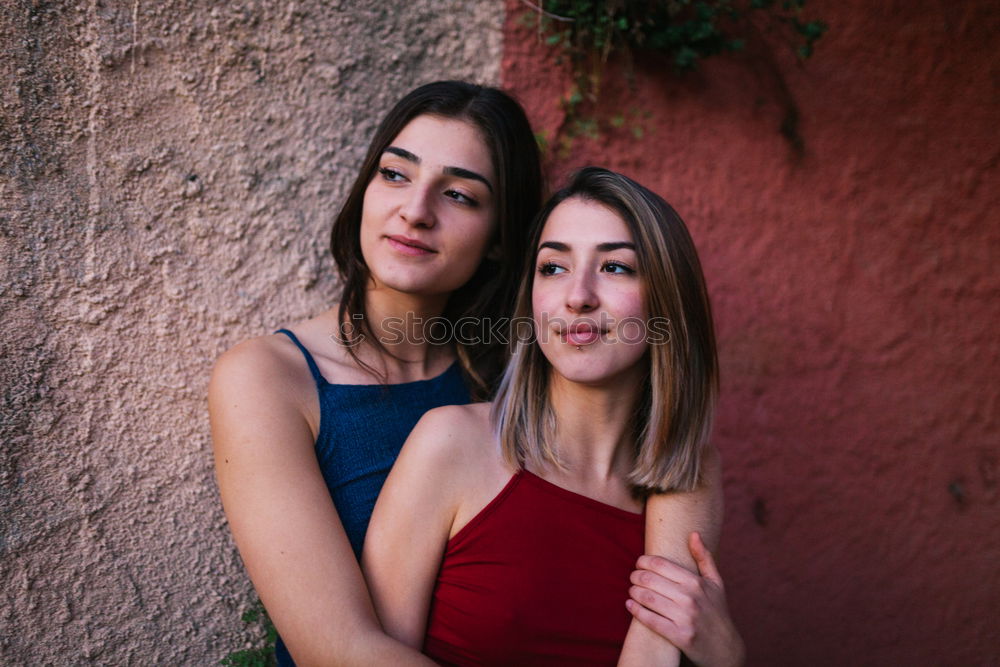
x=673, y=417
x=489, y=294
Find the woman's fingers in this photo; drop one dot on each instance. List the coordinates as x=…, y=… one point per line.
x=661, y=585
x=682, y=610
x=703, y=559
x=661, y=625
x=666, y=569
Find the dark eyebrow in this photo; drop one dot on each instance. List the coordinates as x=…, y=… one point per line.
x=608, y=247
x=465, y=173
x=451, y=171
x=601, y=247
x=405, y=154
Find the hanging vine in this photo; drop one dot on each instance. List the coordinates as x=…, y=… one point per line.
x=589, y=32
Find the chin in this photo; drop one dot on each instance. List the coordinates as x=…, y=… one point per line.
x=419, y=280
x=587, y=379
x=408, y=282
x=583, y=371
x=595, y=372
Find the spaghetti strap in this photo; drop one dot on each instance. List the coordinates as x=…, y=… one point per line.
x=313, y=368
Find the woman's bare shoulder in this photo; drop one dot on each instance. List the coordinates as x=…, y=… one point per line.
x=269, y=373
x=257, y=385
x=270, y=359
x=469, y=452
x=468, y=416
x=457, y=424
x=251, y=359
x=461, y=437
x=275, y=356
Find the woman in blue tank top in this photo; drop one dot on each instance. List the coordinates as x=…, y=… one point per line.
x=306, y=423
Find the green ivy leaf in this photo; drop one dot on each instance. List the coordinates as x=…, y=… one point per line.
x=685, y=31
x=814, y=29
x=262, y=656
x=686, y=57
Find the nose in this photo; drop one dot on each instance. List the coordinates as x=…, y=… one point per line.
x=417, y=209
x=582, y=295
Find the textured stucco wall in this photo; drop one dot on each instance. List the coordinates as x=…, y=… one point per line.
x=857, y=298
x=168, y=173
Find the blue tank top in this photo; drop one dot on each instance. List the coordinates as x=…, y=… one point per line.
x=361, y=430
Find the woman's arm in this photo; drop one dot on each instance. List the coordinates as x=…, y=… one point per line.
x=282, y=517
x=687, y=609
x=411, y=523
x=670, y=519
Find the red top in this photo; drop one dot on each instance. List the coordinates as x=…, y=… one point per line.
x=539, y=577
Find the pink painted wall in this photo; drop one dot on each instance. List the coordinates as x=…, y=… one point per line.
x=856, y=293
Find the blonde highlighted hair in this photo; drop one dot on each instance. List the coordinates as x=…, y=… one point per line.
x=673, y=416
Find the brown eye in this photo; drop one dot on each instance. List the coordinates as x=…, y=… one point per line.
x=391, y=175
x=462, y=198
x=550, y=269
x=617, y=267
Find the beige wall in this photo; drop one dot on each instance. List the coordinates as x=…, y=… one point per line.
x=168, y=176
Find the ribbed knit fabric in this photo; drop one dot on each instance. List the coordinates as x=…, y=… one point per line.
x=362, y=428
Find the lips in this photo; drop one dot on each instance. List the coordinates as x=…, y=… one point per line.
x=408, y=246
x=582, y=334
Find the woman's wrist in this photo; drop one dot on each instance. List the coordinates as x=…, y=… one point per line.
x=737, y=653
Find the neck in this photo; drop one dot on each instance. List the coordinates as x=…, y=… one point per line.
x=594, y=425
x=399, y=322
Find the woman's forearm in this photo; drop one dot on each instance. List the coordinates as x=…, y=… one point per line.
x=643, y=647
x=677, y=595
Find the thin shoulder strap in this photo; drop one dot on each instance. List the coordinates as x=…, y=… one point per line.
x=313, y=368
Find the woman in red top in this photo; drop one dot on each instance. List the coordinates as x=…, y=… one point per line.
x=506, y=532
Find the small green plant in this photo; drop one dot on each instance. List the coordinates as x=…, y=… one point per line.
x=261, y=656
x=589, y=32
